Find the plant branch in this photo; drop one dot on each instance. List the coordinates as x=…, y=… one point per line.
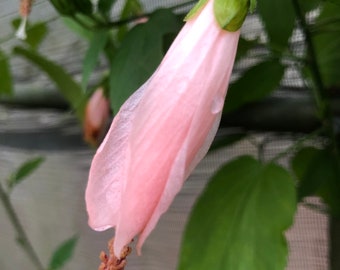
x=319, y=93
x=297, y=145
x=21, y=235
x=325, y=114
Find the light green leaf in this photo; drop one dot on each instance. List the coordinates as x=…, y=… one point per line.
x=77, y=28
x=239, y=220
x=133, y=64
x=279, y=20
x=35, y=32
x=256, y=83
x=24, y=171
x=63, y=254
x=96, y=46
x=71, y=90
x=6, y=85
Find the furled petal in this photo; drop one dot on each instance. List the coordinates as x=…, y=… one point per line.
x=103, y=193
x=153, y=145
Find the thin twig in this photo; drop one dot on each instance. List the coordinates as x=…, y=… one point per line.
x=297, y=145
x=21, y=234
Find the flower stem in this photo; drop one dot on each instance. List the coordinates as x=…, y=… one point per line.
x=318, y=90
x=21, y=235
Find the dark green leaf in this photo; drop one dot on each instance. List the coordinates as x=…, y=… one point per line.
x=71, y=90
x=302, y=160
x=327, y=44
x=244, y=46
x=5, y=75
x=223, y=140
x=139, y=55
x=83, y=6
x=319, y=174
x=63, y=254
x=308, y=5
x=337, y=2
x=256, y=83
x=96, y=46
x=35, y=32
x=130, y=9
x=104, y=6
x=279, y=20
x=239, y=220
x=66, y=8
x=24, y=171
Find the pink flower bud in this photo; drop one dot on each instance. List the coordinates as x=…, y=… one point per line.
x=161, y=132
x=96, y=116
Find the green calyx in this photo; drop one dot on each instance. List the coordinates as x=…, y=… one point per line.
x=196, y=9
x=230, y=14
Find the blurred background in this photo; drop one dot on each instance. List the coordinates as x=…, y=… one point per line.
x=36, y=120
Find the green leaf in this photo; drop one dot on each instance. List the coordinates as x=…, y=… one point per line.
x=71, y=90
x=130, y=9
x=63, y=254
x=96, y=46
x=336, y=2
x=132, y=65
x=64, y=7
x=301, y=161
x=279, y=20
x=319, y=174
x=24, y=171
x=77, y=28
x=256, y=83
x=104, y=6
x=35, y=32
x=239, y=220
x=327, y=42
x=244, y=46
x=6, y=85
x=309, y=5
x=83, y=6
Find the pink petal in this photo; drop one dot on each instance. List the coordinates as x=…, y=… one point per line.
x=104, y=186
x=161, y=132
